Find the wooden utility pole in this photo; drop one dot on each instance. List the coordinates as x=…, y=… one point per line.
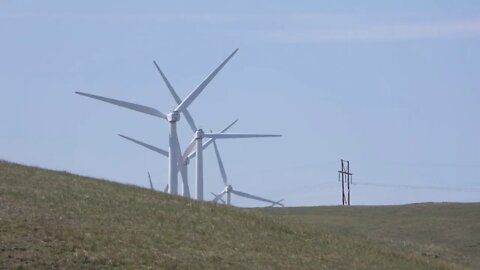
x=345, y=177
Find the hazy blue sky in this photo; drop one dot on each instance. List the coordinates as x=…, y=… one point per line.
x=391, y=86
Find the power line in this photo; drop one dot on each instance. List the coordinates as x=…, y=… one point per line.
x=416, y=187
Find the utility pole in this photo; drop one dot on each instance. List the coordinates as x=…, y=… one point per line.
x=345, y=177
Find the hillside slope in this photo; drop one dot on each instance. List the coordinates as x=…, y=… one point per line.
x=54, y=219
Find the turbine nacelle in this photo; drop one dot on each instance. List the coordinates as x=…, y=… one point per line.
x=174, y=116
x=199, y=134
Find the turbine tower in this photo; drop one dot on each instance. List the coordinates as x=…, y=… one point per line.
x=228, y=189
x=173, y=117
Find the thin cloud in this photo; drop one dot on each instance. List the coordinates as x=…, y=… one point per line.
x=261, y=20
x=148, y=17
x=286, y=28
x=386, y=32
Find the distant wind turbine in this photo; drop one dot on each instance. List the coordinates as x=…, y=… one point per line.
x=196, y=144
x=228, y=190
x=151, y=184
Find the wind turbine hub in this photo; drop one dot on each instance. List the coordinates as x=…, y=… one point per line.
x=199, y=134
x=229, y=188
x=173, y=116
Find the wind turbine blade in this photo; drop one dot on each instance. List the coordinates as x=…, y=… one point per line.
x=246, y=195
x=167, y=83
x=194, y=94
x=229, y=126
x=128, y=105
x=209, y=141
x=190, y=148
x=220, y=164
x=151, y=147
x=219, y=196
x=281, y=204
x=277, y=202
x=182, y=168
x=189, y=119
x=183, y=173
x=236, y=135
x=166, y=189
x=215, y=195
x=185, y=112
x=150, y=179
x=193, y=153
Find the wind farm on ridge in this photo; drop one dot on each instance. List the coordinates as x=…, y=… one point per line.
x=177, y=161
x=387, y=90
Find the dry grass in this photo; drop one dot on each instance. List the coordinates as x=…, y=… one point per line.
x=51, y=220
x=440, y=231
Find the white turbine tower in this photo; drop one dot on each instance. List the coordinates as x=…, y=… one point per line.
x=197, y=144
x=173, y=117
x=228, y=190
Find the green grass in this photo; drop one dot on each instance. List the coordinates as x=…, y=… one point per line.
x=54, y=220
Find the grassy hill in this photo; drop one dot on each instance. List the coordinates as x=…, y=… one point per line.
x=441, y=231
x=54, y=220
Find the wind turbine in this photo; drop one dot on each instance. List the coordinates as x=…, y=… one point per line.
x=183, y=165
x=228, y=190
x=173, y=117
x=196, y=144
x=151, y=184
